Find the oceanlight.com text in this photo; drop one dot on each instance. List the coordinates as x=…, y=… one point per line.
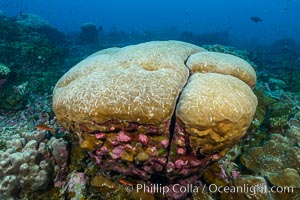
x=212, y=188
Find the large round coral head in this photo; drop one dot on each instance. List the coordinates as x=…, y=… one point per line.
x=165, y=107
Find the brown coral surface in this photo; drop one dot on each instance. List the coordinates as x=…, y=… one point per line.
x=139, y=111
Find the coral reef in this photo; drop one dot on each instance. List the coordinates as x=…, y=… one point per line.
x=40, y=25
x=225, y=171
x=294, y=122
x=89, y=34
x=281, y=61
x=4, y=71
x=276, y=163
x=31, y=20
x=278, y=153
x=30, y=163
x=282, y=54
x=248, y=56
x=76, y=186
x=258, y=185
x=32, y=160
x=36, y=112
x=290, y=78
x=32, y=58
x=110, y=100
x=221, y=37
x=288, y=177
x=279, y=105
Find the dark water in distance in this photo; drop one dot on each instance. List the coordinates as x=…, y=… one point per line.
x=277, y=18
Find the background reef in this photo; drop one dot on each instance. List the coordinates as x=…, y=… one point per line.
x=33, y=58
x=37, y=54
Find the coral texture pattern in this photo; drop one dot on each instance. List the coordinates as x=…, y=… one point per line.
x=161, y=106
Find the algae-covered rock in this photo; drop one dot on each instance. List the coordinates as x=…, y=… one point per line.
x=276, y=84
x=103, y=184
x=289, y=177
x=279, y=114
x=203, y=195
x=77, y=185
x=294, y=122
x=247, y=186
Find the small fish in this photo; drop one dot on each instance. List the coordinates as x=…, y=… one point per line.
x=43, y=127
x=256, y=19
x=125, y=182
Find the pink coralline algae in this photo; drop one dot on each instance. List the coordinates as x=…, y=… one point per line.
x=181, y=151
x=122, y=137
x=180, y=164
x=148, y=151
x=165, y=143
x=76, y=185
x=100, y=135
x=143, y=139
x=117, y=152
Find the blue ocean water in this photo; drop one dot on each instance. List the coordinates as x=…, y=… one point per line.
x=278, y=17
